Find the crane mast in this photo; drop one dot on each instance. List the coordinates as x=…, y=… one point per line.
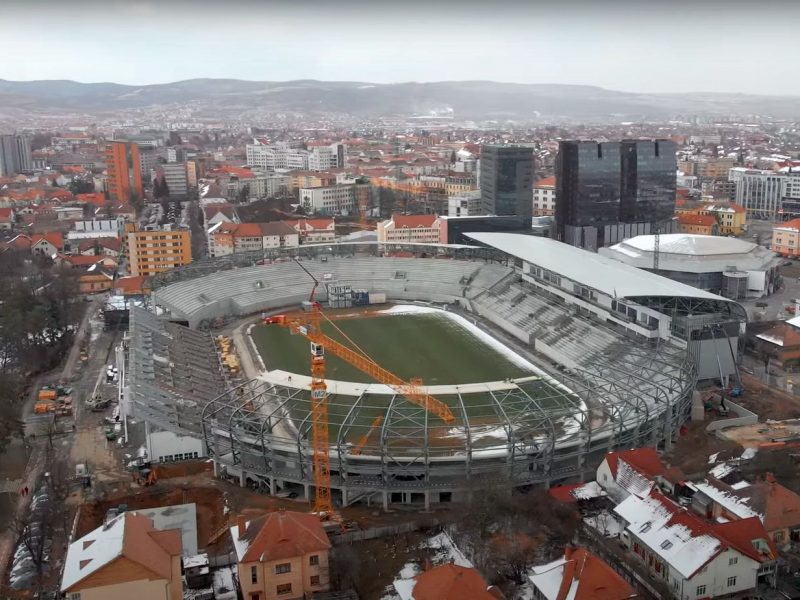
x=309, y=325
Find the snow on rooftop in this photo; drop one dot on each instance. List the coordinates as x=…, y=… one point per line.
x=547, y=578
x=588, y=491
x=600, y=272
x=740, y=485
x=731, y=503
x=770, y=338
x=721, y=470
x=240, y=545
x=649, y=520
x=93, y=551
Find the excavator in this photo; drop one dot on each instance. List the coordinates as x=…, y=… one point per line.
x=308, y=323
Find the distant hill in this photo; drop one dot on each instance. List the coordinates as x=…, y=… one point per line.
x=480, y=100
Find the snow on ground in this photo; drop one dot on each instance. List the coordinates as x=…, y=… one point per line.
x=445, y=552
x=605, y=523
x=713, y=458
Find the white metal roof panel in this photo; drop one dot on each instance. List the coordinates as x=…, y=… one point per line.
x=599, y=272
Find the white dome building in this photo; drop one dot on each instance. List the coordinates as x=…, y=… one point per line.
x=726, y=266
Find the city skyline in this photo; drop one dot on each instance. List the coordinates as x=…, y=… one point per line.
x=625, y=46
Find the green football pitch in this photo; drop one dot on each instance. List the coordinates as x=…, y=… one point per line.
x=430, y=346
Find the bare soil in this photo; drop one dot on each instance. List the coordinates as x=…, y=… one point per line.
x=693, y=448
x=767, y=402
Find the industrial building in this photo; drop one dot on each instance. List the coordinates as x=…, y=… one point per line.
x=730, y=267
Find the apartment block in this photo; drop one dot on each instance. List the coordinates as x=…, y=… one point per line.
x=152, y=252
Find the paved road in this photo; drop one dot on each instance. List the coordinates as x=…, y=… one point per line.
x=38, y=458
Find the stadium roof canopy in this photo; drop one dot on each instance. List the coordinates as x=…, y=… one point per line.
x=601, y=273
x=693, y=253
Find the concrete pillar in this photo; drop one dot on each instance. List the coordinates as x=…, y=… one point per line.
x=242, y=478
x=385, y=500
x=215, y=464
x=272, y=486
x=427, y=500
x=344, y=496
x=307, y=492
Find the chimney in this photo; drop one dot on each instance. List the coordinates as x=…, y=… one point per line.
x=241, y=523
x=427, y=565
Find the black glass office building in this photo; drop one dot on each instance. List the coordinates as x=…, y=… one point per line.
x=506, y=181
x=648, y=184
x=610, y=191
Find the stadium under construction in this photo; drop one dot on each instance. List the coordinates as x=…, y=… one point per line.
x=613, y=355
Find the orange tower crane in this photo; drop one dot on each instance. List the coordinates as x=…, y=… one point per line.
x=309, y=325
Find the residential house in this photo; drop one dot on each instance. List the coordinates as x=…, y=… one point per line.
x=8, y=217
x=125, y=559
x=544, y=197
x=105, y=246
x=314, y=231
x=234, y=238
x=129, y=286
x=731, y=218
x=627, y=472
x=579, y=575
x=786, y=238
x=48, y=244
x=780, y=342
x=777, y=507
x=695, y=558
x=20, y=242
x=281, y=555
x=447, y=582
x=417, y=229
x=694, y=223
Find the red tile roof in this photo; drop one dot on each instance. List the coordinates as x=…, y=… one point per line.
x=129, y=286
x=793, y=224
x=54, y=237
x=596, y=579
x=283, y=534
x=547, y=182
x=6, y=215
x=451, y=582
x=645, y=460
x=691, y=219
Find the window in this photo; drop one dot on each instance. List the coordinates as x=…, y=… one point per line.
x=700, y=591
x=314, y=580
x=254, y=574
x=283, y=568
x=283, y=589
x=731, y=581
x=313, y=560
x=733, y=560
x=666, y=544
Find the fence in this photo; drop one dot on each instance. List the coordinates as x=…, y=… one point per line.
x=372, y=533
x=745, y=417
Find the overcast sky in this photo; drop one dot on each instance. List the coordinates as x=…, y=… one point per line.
x=639, y=46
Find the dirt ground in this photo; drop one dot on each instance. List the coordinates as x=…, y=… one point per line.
x=766, y=402
x=382, y=559
x=693, y=448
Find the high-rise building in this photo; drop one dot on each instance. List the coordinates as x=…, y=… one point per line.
x=15, y=154
x=174, y=174
x=151, y=252
x=124, y=171
x=610, y=191
x=506, y=180
x=649, y=183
